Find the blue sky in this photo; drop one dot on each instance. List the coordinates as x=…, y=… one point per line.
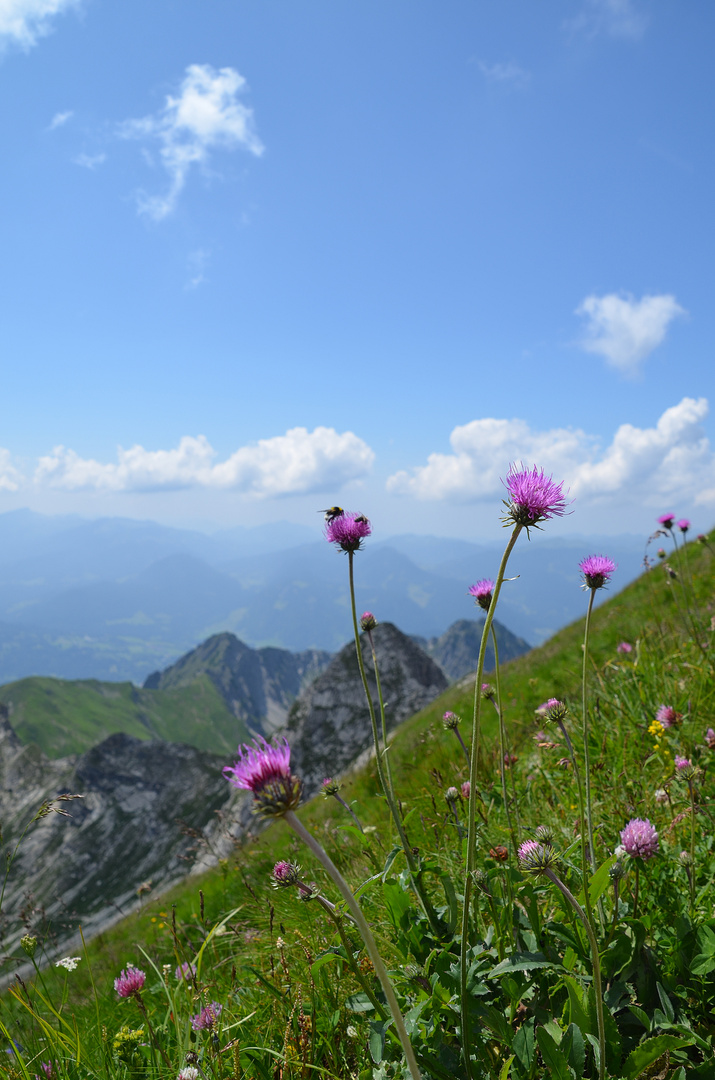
x=260, y=257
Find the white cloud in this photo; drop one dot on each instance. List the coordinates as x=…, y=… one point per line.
x=10, y=477
x=625, y=330
x=298, y=462
x=509, y=74
x=59, y=118
x=90, y=161
x=24, y=21
x=671, y=460
x=617, y=18
x=198, y=262
x=204, y=117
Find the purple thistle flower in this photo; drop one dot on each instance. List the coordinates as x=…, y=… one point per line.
x=329, y=786
x=555, y=710
x=710, y=738
x=667, y=717
x=185, y=971
x=466, y=789
x=207, y=1019
x=264, y=769
x=482, y=592
x=534, y=857
x=284, y=874
x=533, y=496
x=130, y=981
x=640, y=839
x=682, y=763
x=367, y=621
x=348, y=531
x=624, y=647
x=488, y=691
x=666, y=520
x=683, y=525
x=597, y=570
x=451, y=720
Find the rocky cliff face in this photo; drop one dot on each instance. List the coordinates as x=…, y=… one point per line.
x=258, y=685
x=128, y=829
x=144, y=802
x=329, y=725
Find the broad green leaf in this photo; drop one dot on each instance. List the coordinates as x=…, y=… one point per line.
x=521, y=962
x=648, y=1052
x=554, y=1059
x=523, y=1044
x=377, y=1039
x=578, y=1007
x=702, y=964
x=574, y=1049
x=359, y=1003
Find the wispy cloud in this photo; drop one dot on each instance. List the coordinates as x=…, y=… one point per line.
x=10, y=477
x=617, y=18
x=672, y=459
x=198, y=261
x=22, y=22
x=90, y=161
x=507, y=74
x=624, y=330
x=60, y=118
x=298, y=462
x=205, y=116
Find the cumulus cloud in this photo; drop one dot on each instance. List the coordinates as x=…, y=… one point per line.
x=507, y=74
x=205, y=116
x=672, y=459
x=24, y=21
x=617, y=18
x=60, y=118
x=624, y=330
x=298, y=462
x=10, y=477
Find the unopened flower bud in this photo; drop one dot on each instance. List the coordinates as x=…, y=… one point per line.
x=451, y=720
x=451, y=795
x=330, y=786
x=28, y=945
x=684, y=858
x=367, y=621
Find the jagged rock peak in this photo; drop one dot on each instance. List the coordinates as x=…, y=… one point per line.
x=329, y=725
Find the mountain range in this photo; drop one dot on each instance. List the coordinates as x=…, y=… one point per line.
x=115, y=599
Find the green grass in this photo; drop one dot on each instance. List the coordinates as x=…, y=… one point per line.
x=298, y=1002
x=68, y=717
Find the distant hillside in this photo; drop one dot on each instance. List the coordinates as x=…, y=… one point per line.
x=116, y=599
x=209, y=699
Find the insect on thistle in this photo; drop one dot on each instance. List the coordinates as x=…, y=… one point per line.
x=332, y=513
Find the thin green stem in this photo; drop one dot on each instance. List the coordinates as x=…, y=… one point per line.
x=472, y=814
x=383, y=720
x=582, y=821
x=350, y=810
x=584, y=721
x=366, y=934
x=596, y=964
x=692, y=847
x=504, y=749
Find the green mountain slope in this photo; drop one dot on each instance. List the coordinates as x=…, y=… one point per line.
x=69, y=717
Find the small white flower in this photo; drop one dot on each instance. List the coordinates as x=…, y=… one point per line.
x=188, y=1073
x=68, y=962
x=620, y=851
x=280, y=943
x=352, y=1031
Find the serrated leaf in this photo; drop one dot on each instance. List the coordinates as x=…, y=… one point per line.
x=648, y=1052
x=554, y=1059
x=525, y=961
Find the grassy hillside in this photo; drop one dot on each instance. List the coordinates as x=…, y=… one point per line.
x=276, y=965
x=65, y=717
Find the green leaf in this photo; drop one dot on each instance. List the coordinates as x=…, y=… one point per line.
x=574, y=1049
x=617, y=955
x=554, y=1059
x=666, y=1003
x=702, y=964
x=377, y=1039
x=641, y=1015
x=525, y=961
x=326, y=958
x=578, y=1008
x=504, y=1074
x=599, y=882
x=523, y=1044
x=648, y=1052
x=359, y=1003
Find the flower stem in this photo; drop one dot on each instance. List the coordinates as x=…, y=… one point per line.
x=692, y=847
x=586, y=756
x=383, y=720
x=366, y=934
x=472, y=814
x=504, y=750
x=597, y=988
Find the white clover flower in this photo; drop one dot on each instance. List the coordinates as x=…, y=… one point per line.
x=68, y=962
x=190, y=1072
